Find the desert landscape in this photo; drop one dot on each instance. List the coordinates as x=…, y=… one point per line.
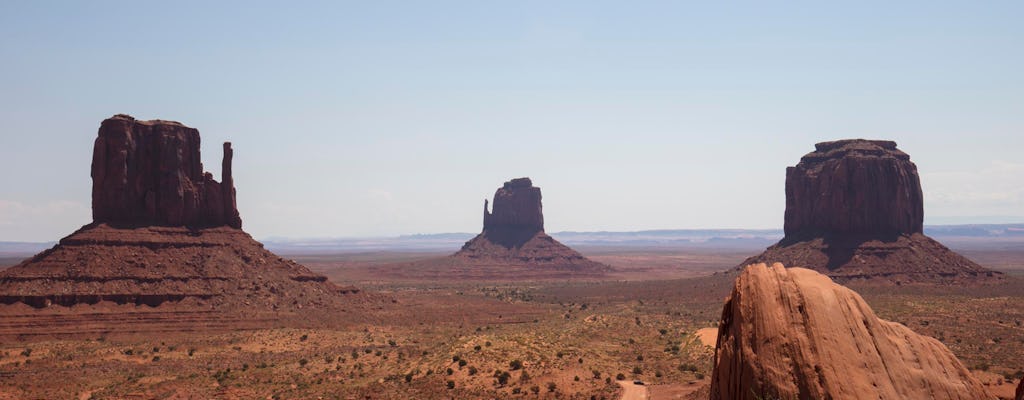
x=164, y=296
x=681, y=200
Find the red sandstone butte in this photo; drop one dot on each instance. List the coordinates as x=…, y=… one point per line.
x=163, y=232
x=854, y=211
x=513, y=234
x=150, y=173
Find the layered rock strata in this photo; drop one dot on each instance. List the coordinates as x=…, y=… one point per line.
x=163, y=231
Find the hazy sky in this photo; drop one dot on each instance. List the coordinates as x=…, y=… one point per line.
x=378, y=118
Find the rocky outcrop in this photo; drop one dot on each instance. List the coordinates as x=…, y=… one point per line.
x=164, y=232
x=853, y=186
x=513, y=234
x=854, y=211
x=517, y=205
x=150, y=173
x=794, y=334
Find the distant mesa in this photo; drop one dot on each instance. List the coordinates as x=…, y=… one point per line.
x=512, y=246
x=164, y=231
x=513, y=233
x=855, y=211
x=791, y=333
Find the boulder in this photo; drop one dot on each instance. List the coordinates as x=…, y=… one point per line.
x=791, y=333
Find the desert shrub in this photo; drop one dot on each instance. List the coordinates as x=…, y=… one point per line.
x=662, y=331
x=525, y=376
x=620, y=376
x=462, y=363
x=451, y=384
x=504, y=377
x=637, y=370
x=535, y=389
x=657, y=374
x=597, y=374
x=576, y=378
x=449, y=371
x=515, y=365
x=476, y=348
x=639, y=357
x=303, y=338
x=552, y=386
x=472, y=371
x=27, y=352
x=455, y=358
x=303, y=362
x=487, y=343
x=408, y=377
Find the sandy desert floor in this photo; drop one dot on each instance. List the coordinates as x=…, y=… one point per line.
x=648, y=321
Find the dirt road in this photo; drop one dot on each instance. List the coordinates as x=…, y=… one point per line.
x=632, y=392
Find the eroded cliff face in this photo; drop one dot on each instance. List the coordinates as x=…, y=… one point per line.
x=517, y=214
x=854, y=211
x=150, y=173
x=163, y=232
x=853, y=186
x=791, y=333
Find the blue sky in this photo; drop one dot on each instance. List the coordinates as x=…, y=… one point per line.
x=384, y=118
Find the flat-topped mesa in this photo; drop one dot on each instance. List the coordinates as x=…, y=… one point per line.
x=150, y=173
x=854, y=186
x=854, y=211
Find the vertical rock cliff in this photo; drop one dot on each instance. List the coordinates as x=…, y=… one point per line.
x=854, y=211
x=150, y=173
x=164, y=231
